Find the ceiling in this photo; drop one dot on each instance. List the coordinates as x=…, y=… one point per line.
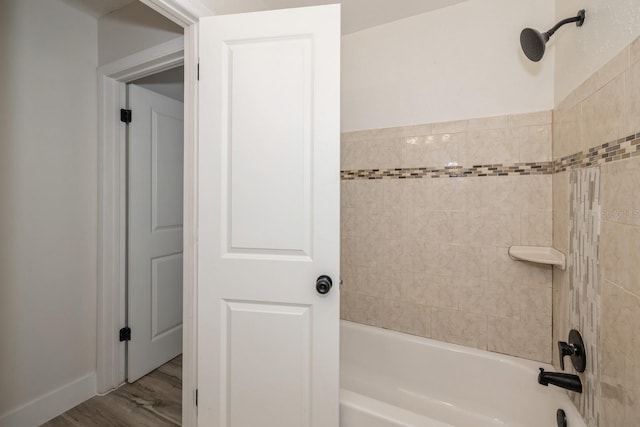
x=356, y=14
x=97, y=8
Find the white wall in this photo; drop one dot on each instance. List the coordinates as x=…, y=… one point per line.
x=609, y=27
x=131, y=29
x=459, y=62
x=48, y=199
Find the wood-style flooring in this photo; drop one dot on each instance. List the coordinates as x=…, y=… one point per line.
x=155, y=400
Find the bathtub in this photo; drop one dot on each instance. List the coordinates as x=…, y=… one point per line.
x=390, y=379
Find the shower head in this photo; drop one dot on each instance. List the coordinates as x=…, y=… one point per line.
x=533, y=42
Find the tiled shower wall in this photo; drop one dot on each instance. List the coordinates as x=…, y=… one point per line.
x=428, y=213
x=598, y=126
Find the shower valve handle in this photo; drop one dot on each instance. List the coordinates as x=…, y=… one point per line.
x=323, y=285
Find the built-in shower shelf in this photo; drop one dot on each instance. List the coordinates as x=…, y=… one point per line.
x=539, y=255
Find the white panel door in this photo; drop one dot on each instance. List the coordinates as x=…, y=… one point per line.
x=155, y=231
x=269, y=196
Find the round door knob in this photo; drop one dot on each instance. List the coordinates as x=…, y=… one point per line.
x=324, y=284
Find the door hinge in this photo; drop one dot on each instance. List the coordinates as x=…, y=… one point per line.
x=125, y=334
x=196, y=397
x=125, y=115
x=198, y=71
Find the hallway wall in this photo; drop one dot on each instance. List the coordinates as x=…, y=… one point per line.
x=48, y=203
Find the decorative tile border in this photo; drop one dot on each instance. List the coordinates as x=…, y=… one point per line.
x=499, y=169
x=619, y=149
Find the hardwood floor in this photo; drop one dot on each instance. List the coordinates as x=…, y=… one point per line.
x=155, y=400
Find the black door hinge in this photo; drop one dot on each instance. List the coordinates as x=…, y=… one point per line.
x=125, y=115
x=198, y=71
x=196, y=397
x=125, y=334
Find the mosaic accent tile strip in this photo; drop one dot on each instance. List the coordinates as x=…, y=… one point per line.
x=516, y=169
x=623, y=148
x=619, y=149
x=584, y=282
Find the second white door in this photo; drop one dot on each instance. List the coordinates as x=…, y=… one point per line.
x=155, y=231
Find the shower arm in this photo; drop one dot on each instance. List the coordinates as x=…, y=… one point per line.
x=579, y=19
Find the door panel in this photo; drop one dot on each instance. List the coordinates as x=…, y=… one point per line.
x=155, y=231
x=251, y=348
x=269, y=218
x=284, y=107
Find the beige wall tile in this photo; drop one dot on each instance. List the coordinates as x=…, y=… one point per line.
x=620, y=310
x=612, y=406
x=381, y=153
x=435, y=291
x=396, y=194
x=448, y=194
x=536, y=304
x=622, y=202
x=444, y=261
x=536, y=228
x=360, y=308
x=436, y=227
x=582, y=92
x=632, y=407
x=485, y=147
x=560, y=309
x=612, y=69
x=530, y=119
x=459, y=328
x=406, y=317
x=519, y=338
x=432, y=150
x=348, y=153
x=567, y=131
x=349, y=194
x=485, y=123
x=469, y=262
x=612, y=360
x=632, y=100
x=421, y=192
x=494, y=228
x=537, y=194
x=503, y=194
x=602, y=114
x=561, y=211
x=349, y=223
x=490, y=299
x=613, y=251
x=634, y=51
x=416, y=130
x=449, y=127
x=534, y=142
x=632, y=282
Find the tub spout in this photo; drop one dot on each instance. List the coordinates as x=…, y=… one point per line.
x=567, y=381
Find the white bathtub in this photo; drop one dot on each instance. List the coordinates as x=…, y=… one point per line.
x=389, y=379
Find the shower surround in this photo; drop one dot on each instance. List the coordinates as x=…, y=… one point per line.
x=428, y=213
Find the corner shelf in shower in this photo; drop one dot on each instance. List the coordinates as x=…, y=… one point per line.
x=539, y=255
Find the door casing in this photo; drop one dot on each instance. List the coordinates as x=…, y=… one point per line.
x=111, y=309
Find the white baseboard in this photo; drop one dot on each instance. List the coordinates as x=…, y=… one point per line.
x=50, y=405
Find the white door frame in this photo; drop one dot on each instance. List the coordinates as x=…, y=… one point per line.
x=111, y=309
